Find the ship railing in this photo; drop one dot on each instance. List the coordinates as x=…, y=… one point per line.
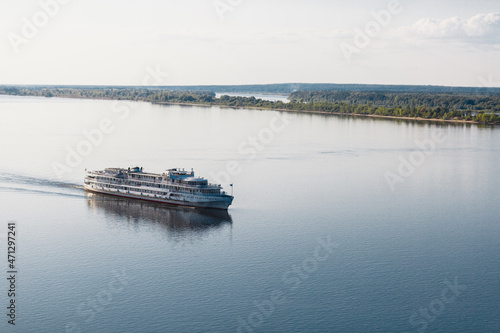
x=179, y=186
x=166, y=182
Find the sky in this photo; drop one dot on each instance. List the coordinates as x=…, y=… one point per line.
x=196, y=42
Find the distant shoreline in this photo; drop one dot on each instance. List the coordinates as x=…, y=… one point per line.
x=456, y=121
x=328, y=113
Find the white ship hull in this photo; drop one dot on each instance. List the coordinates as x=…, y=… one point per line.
x=121, y=188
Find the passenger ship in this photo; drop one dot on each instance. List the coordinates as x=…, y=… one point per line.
x=175, y=187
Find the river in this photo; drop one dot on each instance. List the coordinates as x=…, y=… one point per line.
x=339, y=224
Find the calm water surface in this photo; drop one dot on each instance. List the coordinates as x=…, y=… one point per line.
x=325, y=233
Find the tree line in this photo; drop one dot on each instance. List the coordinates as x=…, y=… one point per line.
x=133, y=94
x=480, y=109
x=458, y=102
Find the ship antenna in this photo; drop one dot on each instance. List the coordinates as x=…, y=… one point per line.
x=231, y=189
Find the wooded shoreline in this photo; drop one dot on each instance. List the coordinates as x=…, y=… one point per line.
x=329, y=113
x=207, y=99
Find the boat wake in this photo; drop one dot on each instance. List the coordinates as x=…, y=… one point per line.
x=10, y=182
x=32, y=190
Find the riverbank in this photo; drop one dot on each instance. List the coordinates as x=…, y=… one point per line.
x=456, y=121
x=270, y=108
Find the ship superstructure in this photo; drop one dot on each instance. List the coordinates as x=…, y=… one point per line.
x=175, y=186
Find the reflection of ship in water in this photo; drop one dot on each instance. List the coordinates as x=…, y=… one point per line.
x=141, y=213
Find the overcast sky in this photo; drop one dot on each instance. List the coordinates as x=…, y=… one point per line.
x=167, y=42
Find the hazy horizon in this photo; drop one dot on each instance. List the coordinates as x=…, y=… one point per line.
x=237, y=85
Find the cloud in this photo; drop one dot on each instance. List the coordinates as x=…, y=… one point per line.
x=481, y=29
